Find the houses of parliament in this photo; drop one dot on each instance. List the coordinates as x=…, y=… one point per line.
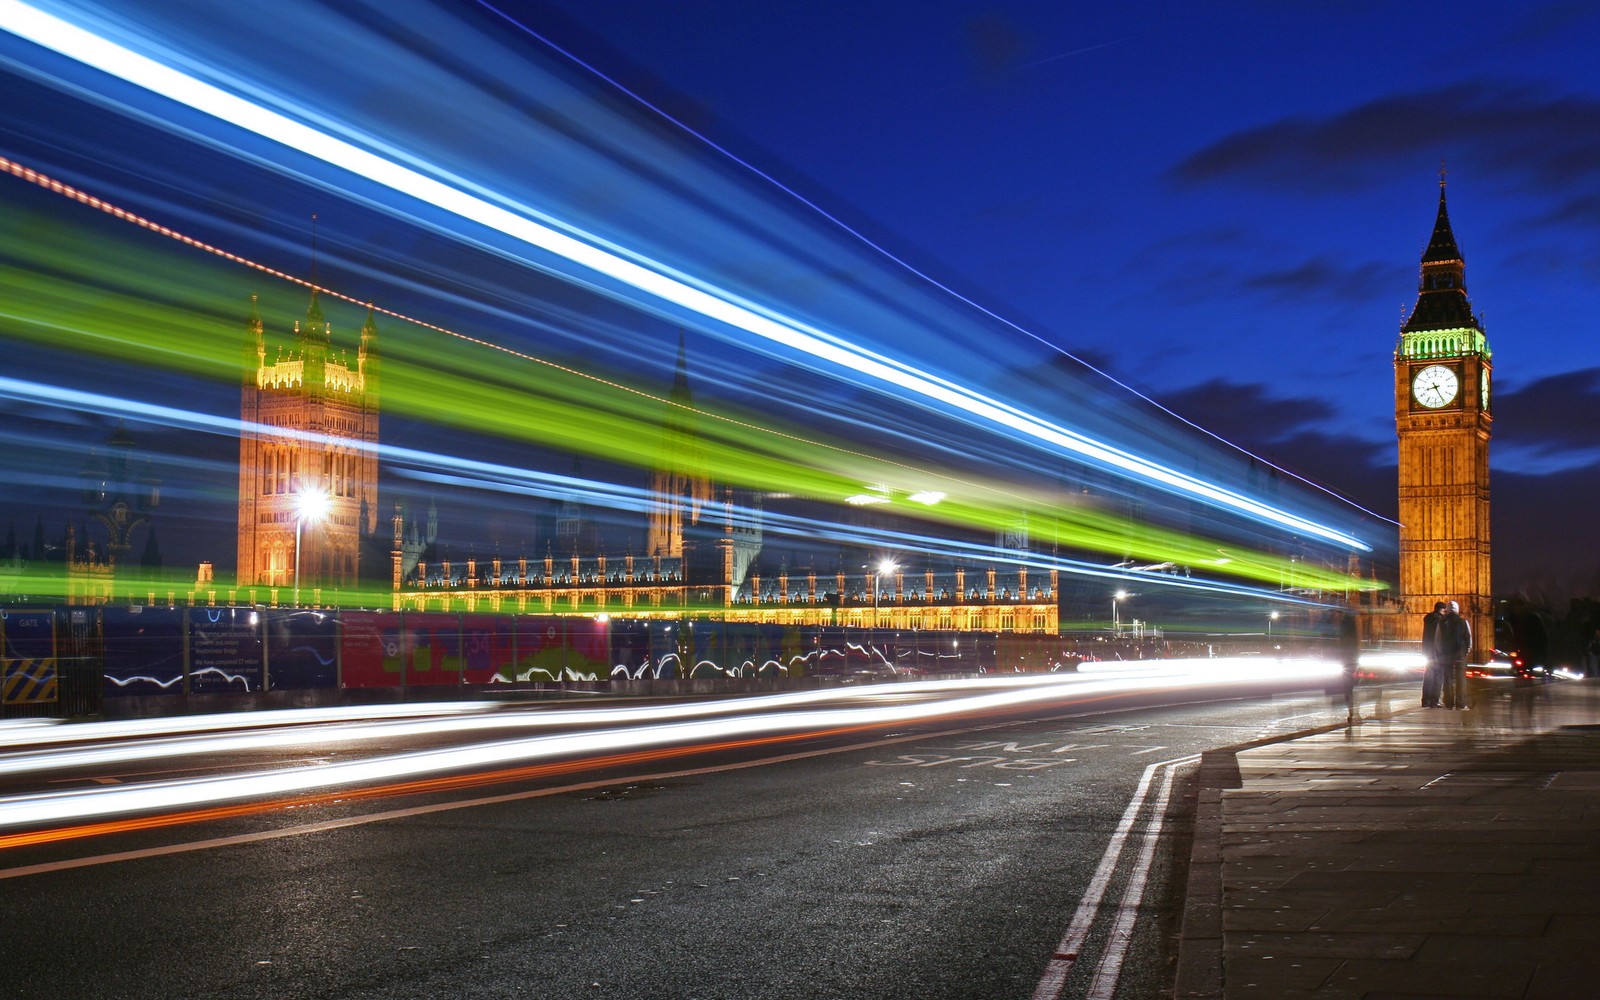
x=310, y=430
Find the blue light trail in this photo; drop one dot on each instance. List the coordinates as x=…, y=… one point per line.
x=468, y=201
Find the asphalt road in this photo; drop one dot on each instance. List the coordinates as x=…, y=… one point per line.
x=942, y=858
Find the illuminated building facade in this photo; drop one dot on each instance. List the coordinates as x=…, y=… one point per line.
x=310, y=421
x=951, y=599
x=1442, y=375
x=702, y=558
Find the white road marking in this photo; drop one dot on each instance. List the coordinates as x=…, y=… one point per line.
x=1104, y=984
x=1055, y=974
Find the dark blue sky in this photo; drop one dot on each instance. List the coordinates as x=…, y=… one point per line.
x=1221, y=204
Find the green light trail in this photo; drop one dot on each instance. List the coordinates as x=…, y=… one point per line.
x=143, y=302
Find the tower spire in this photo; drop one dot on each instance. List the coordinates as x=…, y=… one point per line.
x=255, y=345
x=1442, y=244
x=680, y=377
x=1442, y=302
x=315, y=328
x=679, y=483
x=368, y=349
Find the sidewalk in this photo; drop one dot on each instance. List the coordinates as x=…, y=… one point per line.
x=1428, y=854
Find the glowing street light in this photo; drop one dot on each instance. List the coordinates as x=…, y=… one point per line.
x=887, y=566
x=1270, y=619
x=1121, y=595
x=312, y=505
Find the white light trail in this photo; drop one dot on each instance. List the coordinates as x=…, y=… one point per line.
x=81, y=732
x=653, y=278
x=83, y=804
x=481, y=474
x=184, y=736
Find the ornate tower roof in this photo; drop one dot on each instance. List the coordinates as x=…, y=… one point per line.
x=1442, y=302
x=367, y=357
x=680, y=378
x=679, y=482
x=315, y=328
x=1442, y=247
x=255, y=345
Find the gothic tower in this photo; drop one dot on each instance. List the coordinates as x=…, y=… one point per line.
x=1442, y=373
x=680, y=489
x=119, y=496
x=307, y=456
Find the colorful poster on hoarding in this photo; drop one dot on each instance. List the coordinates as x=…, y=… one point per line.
x=588, y=643
x=143, y=651
x=302, y=649
x=557, y=648
x=224, y=650
x=486, y=642
x=28, y=673
x=541, y=651
x=436, y=654
x=372, y=648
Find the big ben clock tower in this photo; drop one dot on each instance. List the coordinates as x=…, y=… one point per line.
x=1442, y=373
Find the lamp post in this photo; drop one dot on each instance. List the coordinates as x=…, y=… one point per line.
x=311, y=504
x=1270, y=619
x=1121, y=595
x=887, y=566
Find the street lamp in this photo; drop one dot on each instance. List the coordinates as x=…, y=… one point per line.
x=1121, y=595
x=887, y=566
x=1270, y=619
x=312, y=504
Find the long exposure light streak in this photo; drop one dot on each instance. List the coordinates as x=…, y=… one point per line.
x=83, y=804
x=1257, y=566
x=180, y=737
x=899, y=261
x=449, y=783
x=996, y=507
x=781, y=524
x=76, y=43
x=49, y=732
x=35, y=177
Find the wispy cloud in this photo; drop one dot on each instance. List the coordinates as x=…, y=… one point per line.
x=1529, y=134
x=1554, y=421
x=1224, y=263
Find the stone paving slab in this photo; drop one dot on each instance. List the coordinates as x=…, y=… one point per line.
x=1427, y=854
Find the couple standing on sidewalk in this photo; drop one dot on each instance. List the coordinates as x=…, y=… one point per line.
x=1446, y=642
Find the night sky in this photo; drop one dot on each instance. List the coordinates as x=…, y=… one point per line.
x=1220, y=205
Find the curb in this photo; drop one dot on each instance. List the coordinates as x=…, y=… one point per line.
x=1199, y=972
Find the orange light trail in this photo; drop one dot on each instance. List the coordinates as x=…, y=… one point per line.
x=448, y=783
x=418, y=787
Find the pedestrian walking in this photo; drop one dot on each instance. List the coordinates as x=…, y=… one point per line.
x=1455, y=645
x=1349, y=659
x=1432, y=679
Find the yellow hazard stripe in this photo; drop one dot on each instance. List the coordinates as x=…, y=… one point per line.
x=28, y=682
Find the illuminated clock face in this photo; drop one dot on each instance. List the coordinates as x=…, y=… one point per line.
x=1435, y=385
